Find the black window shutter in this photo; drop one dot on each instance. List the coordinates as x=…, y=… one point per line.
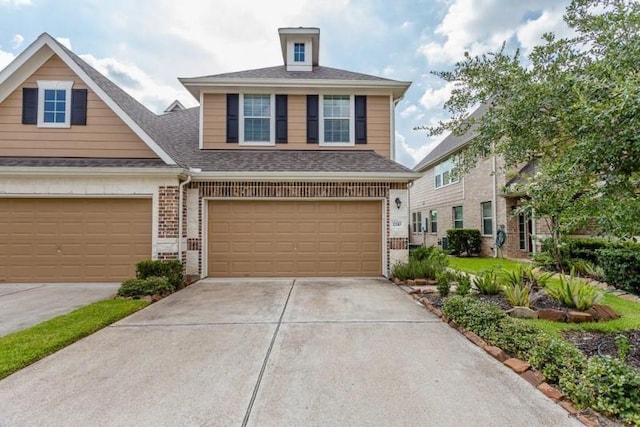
x=281, y=119
x=29, y=106
x=79, y=107
x=361, y=119
x=233, y=105
x=312, y=119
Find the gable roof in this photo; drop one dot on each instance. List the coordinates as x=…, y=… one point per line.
x=134, y=114
x=280, y=72
x=451, y=143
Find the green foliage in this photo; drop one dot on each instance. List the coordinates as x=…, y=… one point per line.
x=25, y=347
x=623, y=345
x=544, y=260
x=444, y=283
x=574, y=103
x=487, y=283
x=621, y=268
x=604, y=384
x=153, y=285
x=171, y=269
x=607, y=385
x=427, y=268
x=476, y=265
x=535, y=280
x=573, y=293
x=463, y=240
x=421, y=253
x=464, y=283
x=555, y=358
x=480, y=317
x=518, y=295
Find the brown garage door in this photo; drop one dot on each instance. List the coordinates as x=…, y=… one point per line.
x=73, y=240
x=294, y=238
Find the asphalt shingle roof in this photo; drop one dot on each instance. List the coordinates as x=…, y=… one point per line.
x=80, y=162
x=280, y=72
x=451, y=143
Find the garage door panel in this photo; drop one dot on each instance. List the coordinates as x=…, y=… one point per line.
x=303, y=238
x=73, y=239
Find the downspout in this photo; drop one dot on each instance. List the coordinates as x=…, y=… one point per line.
x=392, y=113
x=180, y=212
x=494, y=205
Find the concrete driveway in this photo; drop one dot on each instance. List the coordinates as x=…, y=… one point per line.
x=304, y=352
x=26, y=304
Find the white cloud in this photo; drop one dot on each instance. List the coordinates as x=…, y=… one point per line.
x=154, y=94
x=5, y=58
x=388, y=71
x=529, y=34
x=435, y=98
x=409, y=111
x=478, y=27
x=65, y=42
x=410, y=155
x=16, y=41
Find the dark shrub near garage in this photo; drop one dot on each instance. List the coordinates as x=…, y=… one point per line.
x=153, y=285
x=171, y=269
x=464, y=241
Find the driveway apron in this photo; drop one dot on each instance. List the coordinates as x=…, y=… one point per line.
x=275, y=352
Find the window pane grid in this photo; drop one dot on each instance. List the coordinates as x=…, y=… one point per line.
x=487, y=218
x=457, y=217
x=55, y=102
x=337, y=113
x=434, y=221
x=257, y=118
x=298, y=52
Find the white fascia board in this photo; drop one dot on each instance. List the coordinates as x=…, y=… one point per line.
x=27, y=63
x=196, y=85
x=306, y=176
x=46, y=39
x=89, y=171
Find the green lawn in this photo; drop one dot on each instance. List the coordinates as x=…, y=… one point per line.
x=474, y=265
x=24, y=347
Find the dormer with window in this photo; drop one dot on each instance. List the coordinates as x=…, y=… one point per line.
x=300, y=48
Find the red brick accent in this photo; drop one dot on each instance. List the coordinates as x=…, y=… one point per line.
x=194, y=244
x=517, y=365
x=550, y=391
x=568, y=406
x=398, y=243
x=168, y=199
x=167, y=255
x=497, y=353
x=534, y=378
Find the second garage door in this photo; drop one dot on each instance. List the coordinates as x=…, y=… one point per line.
x=73, y=239
x=294, y=238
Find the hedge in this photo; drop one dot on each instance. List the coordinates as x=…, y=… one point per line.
x=621, y=268
x=171, y=269
x=464, y=240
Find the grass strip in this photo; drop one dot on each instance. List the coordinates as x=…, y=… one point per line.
x=25, y=347
x=475, y=265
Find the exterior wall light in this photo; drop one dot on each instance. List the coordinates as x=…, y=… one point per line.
x=398, y=202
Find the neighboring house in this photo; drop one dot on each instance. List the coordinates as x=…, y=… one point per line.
x=441, y=200
x=281, y=171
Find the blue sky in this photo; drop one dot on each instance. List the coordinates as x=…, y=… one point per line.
x=144, y=45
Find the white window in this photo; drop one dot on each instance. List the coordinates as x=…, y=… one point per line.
x=446, y=173
x=487, y=218
x=417, y=222
x=257, y=124
x=54, y=103
x=336, y=124
x=298, y=52
x=434, y=221
x=457, y=217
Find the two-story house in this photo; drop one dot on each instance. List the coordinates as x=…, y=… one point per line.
x=280, y=171
x=443, y=199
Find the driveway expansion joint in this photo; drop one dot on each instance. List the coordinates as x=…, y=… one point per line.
x=22, y=290
x=247, y=415
x=170, y=325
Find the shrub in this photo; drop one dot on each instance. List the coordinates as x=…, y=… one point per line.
x=464, y=240
x=574, y=293
x=444, y=283
x=487, y=283
x=514, y=336
x=555, y=358
x=535, y=280
x=421, y=253
x=152, y=285
x=464, y=283
x=621, y=268
x=171, y=269
x=480, y=317
x=427, y=268
x=518, y=295
x=607, y=385
x=585, y=248
x=544, y=260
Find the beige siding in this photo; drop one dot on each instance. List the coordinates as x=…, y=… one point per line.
x=473, y=189
x=378, y=126
x=105, y=134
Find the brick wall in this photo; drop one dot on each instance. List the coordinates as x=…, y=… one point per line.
x=168, y=200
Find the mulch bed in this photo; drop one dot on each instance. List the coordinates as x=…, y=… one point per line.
x=596, y=343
